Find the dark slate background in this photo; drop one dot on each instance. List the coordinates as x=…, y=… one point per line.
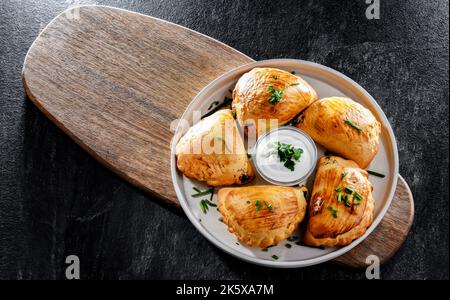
x=56, y=200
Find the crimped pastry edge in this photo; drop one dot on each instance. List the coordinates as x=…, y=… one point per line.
x=264, y=243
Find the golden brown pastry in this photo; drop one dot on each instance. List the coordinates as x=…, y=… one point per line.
x=344, y=127
x=341, y=207
x=213, y=151
x=262, y=216
x=267, y=93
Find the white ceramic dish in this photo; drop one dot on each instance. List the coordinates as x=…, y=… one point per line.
x=327, y=82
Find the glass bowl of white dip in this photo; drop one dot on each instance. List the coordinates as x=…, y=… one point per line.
x=271, y=164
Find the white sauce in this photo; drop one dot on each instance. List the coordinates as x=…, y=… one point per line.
x=268, y=161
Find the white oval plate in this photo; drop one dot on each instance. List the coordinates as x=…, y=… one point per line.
x=327, y=82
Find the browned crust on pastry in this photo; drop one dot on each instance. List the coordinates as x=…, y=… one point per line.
x=230, y=165
x=325, y=121
x=351, y=222
x=348, y=237
x=262, y=228
x=251, y=98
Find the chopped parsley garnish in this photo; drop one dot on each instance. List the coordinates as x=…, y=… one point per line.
x=339, y=197
x=357, y=195
x=275, y=257
x=290, y=165
x=357, y=198
x=348, y=190
x=346, y=202
x=295, y=83
x=288, y=154
x=289, y=246
x=339, y=189
x=221, y=219
x=200, y=193
x=269, y=206
x=258, y=205
x=350, y=123
x=376, y=174
x=205, y=204
x=333, y=211
x=265, y=250
x=343, y=175
x=275, y=95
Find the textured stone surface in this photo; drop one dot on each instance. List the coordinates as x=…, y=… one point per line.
x=55, y=200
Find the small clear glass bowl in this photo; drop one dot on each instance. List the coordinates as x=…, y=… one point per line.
x=305, y=138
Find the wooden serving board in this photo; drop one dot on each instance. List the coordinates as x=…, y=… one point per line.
x=115, y=80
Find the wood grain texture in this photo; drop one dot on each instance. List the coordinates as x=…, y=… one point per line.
x=390, y=233
x=114, y=81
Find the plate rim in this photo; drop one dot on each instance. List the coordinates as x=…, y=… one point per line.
x=286, y=264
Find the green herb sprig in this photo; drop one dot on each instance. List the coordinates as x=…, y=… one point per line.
x=288, y=154
x=357, y=198
x=350, y=123
x=339, y=197
x=348, y=190
x=275, y=96
x=202, y=193
x=375, y=174
x=205, y=204
x=258, y=205
x=269, y=206
x=333, y=211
